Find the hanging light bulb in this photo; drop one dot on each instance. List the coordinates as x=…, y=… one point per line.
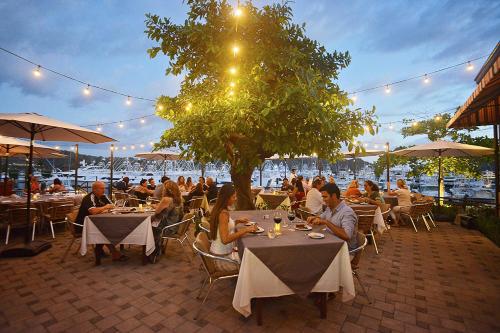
x=232, y=70
x=387, y=89
x=470, y=66
x=232, y=84
x=143, y=121
x=72, y=148
x=415, y=123
x=237, y=12
x=231, y=93
x=236, y=49
x=86, y=90
x=124, y=148
x=437, y=118
x=189, y=106
x=426, y=79
x=37, y=72
x=151, y=143
x=354, y=98
x=128, y=101
x=98, y=128
x=120, y=124
x=57, y=147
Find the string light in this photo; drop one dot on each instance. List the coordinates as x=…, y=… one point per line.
x=72, y=148
x=426, y=79
x=132, y=147
x=57, y=147
x=37, y=72
x=231, y=93
x=151, y=143
x=437, y=118
x=387, y=89
x=143, y=121
x=142, y=146
x=160, y=107
x=189, y=106
x=128, y=101
x=120, y=125
x=391, y=126
x=232, y=70
x=470, y=66
x=232, y=84
x=86, y=90
x=124, y=148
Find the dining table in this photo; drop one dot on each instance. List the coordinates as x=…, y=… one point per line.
x=121, y=226
x=290, y=263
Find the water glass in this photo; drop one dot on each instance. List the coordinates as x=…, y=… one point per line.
x=270, y=233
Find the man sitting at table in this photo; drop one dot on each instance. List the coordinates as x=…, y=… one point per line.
x=212, y=190
x=338, y=216
x=314, y=200
x=97, y=203
x=123, y=185
x=286, y=187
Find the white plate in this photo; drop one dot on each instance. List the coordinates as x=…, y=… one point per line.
x=249, y=223
x=259, y=230
x=315, y=235
x=306, y=228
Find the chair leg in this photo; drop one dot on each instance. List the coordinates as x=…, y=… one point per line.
x=388, y=229
x=374, y=241
x=429, y=215
x=33, y=232
x=425, y=222
x=412, y=222
x=361, y=285
x=52, y=229
x=8, y=234
x=202, y=287
x=204, y=299
x=67, y=250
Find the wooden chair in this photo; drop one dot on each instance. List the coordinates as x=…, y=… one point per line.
x=365, y=225
x=386, y=210
x=16, y=219
x=356, y=257
x=75, y=229
x=415, y=213
x=201, y=246
x=181, y=235
x=56, y=214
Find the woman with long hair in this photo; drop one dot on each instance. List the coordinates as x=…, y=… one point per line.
x=189, y=184
x=169, y=210
x=223, y=228
x=372, y=194
x=181, y=183
x=298, y=192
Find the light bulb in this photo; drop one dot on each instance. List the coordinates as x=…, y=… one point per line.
x=426, y=79
x=57, y=147
x=232, y=70
x=86, y=90
x=129, y=101
x=120, y=125
x=151, y=143
x=387, y=89
x=236, y=49
x=415, y=123
x=189, y=106
x=142, y=146
x=232, y=84
x=160, y=107
x=354, y=98
x=470, y=66
x=72, y=148
x=231, y=93
x=37, y=72
x=237, y=12
x=132, y=147
x=143, y=120
x=365, y=145
x=124, y=148
x=99, y=129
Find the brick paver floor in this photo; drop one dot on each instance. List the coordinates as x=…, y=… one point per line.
x=444, y=281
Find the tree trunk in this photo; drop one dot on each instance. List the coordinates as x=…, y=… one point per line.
x=242, y=180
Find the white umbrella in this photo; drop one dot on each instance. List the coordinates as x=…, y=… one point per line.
x=443, y=148
x=37, y=127
x=160, y=155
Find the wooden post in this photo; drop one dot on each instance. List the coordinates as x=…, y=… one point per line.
x=496, y=136
x=111, y=162
x=388, y=166
x=76, y=167
x=440, y=178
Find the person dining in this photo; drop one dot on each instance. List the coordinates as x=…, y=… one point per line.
x=57, y=186
x=151, y=184
x=298, y=192
x=331, y=180
x=201, y=180
x=142, y=192
x=223, y=231
x=353, y=190
x=314, y=200
x=285, y=186
x=96, y=202
x=212, y=190
x=169, y=210
x=189, y=184
x=372, y=195
x=158, y=193
x=181, y=183
x=340, y=219
x=197, y=191
x=35, y=185
x=404, y=201
x=123, y=185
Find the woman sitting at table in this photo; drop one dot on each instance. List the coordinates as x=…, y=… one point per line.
x=169, y=210
x=57, y=186
x=181, y=182
x=298, y=193
x=35, y=185
x=372, y=195
x=142, y=192
x=222, y=228
x=404, y=201
x=189, y=184
x=353, y=190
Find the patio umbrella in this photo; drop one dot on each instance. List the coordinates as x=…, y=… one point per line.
x=441, y=149
x=367, y=152
x=161, y=155
x=37, y=127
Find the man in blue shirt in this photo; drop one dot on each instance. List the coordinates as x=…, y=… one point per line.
x=338, y=216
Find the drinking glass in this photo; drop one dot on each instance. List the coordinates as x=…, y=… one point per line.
x=277, y=223
x=270, y=233
x=291, y=216
x=148, y=202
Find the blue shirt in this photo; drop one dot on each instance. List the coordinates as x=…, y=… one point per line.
x=344, y=217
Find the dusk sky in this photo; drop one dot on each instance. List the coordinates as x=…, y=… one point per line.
x=103, y=43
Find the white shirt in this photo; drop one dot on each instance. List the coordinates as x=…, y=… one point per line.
x=314, y=201
x=404, y=196
x=292, y=176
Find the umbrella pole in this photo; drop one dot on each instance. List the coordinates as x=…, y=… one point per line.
x=76, y=167
x=440, y=180
x=6, y=170
x=30, y=171
x=496, y=134
x=285, y=168
x=320, y=166
x=260, y=174
x=388, y=165
x=354, y=167
x=111, y=162
x=165, y=167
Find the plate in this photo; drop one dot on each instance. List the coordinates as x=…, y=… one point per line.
x=316, y=235
x=306, y=227
x=249, y=223
x=258, y=231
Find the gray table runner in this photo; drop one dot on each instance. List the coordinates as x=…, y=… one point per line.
x=116, y=227
x=298, y=261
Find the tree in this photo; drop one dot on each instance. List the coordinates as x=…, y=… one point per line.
x=275, y=94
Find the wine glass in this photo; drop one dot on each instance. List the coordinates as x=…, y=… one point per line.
x=291, y=216
x=277, y=223
x=148, y=202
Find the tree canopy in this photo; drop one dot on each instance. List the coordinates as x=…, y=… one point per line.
x=253, y=86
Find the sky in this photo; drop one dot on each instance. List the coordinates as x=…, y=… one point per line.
x=103, y=43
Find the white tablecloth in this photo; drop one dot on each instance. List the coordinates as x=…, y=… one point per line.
x=378, y=220
x=257, y=280
x=142, y=235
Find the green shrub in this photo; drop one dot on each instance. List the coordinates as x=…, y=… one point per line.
x=487, y=222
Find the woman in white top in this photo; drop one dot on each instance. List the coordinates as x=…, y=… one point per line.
x=404, y=200
x=222, y=228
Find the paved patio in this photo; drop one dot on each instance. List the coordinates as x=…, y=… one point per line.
x=444, y=281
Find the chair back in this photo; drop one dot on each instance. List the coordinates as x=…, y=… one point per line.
x=120, y=196
x=365, y=222
x=133, y=201
x=386, y=209
x=184, y=224
x=417, y=210
x=304, y=213
x=205, y=225
x=58, y=211
x=202, y=246
x=71, y=223
x=362, y=242
x=17, y=216
x=195, y=203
